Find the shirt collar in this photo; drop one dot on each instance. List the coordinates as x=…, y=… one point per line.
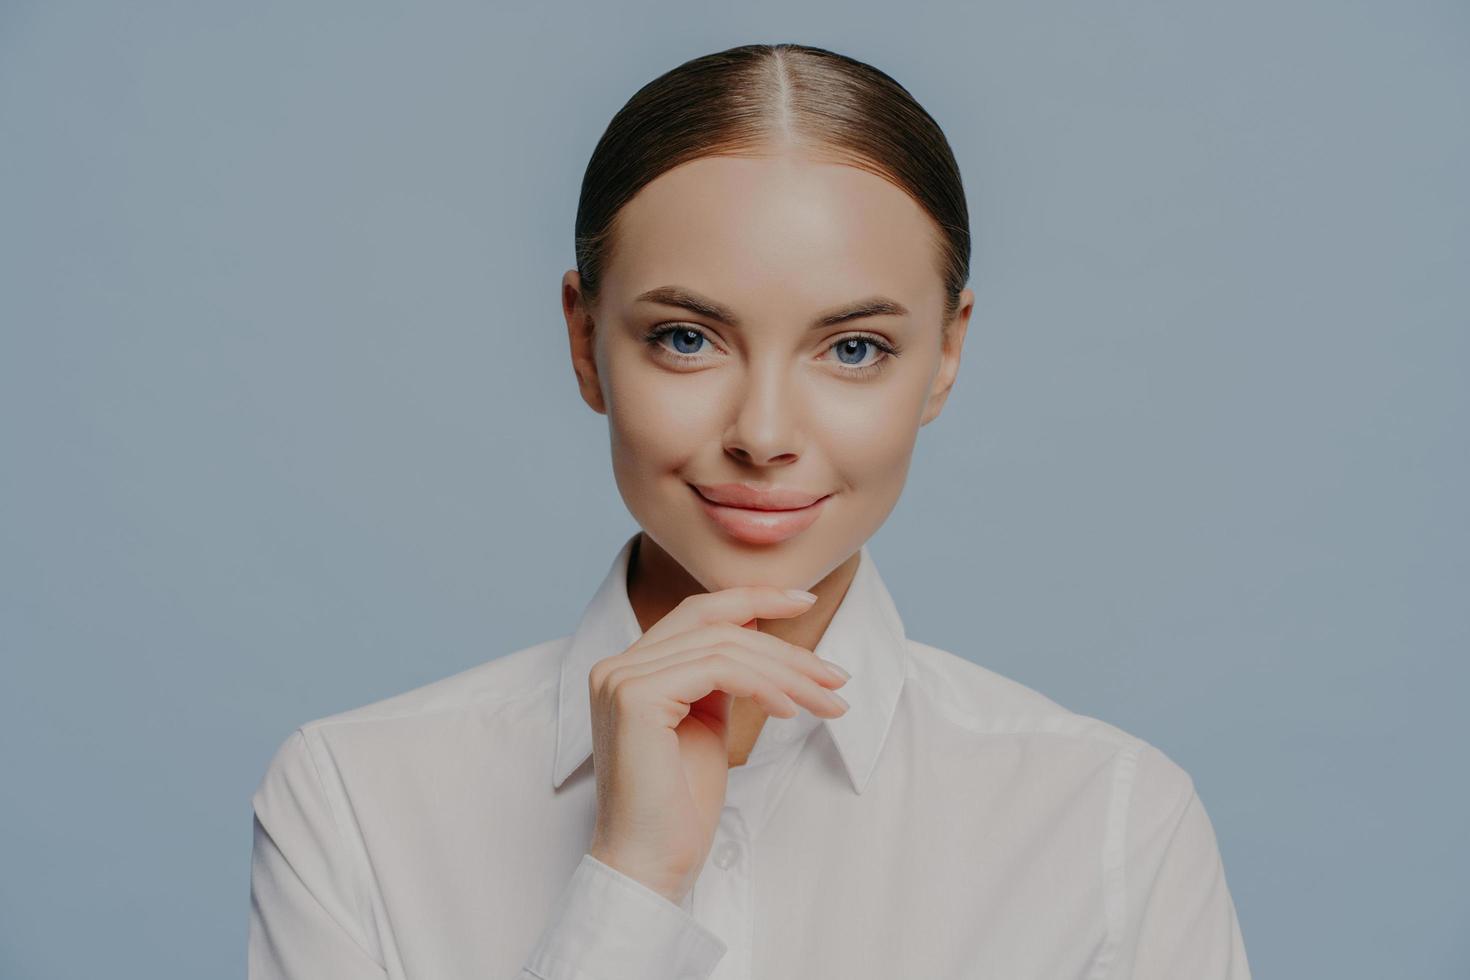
x=865, y=636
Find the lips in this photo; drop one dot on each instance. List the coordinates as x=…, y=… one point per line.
x=757, y=498
x=763, y=524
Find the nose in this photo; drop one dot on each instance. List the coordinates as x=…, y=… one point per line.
x=764, y=429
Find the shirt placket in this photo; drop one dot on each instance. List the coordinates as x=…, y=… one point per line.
x=723, y=894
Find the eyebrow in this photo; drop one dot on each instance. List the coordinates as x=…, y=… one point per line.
x=695, y=303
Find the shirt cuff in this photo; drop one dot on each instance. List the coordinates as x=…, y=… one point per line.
x=606, y=925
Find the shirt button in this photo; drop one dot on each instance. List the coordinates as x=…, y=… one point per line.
x=726, y=854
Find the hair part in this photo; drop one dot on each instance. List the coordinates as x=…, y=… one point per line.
x=758, y=99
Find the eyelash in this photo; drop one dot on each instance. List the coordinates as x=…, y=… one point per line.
x=653, y=337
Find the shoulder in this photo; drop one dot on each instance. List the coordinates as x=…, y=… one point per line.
x=514, y=676
x=988, y=703
x=414, y=729
x=983, y=700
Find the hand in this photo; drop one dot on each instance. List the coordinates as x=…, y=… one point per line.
x=660, y=712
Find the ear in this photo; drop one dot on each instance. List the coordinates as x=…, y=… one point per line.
x=952, y=340
x=580, y=339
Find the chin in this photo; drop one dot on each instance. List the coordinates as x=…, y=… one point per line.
x=718, y=562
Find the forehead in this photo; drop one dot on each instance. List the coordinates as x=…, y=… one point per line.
x=773, y=233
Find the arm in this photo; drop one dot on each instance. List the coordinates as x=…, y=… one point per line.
x=1178, y=917
x=305, y=922
x=608, y=926
x=304, y=919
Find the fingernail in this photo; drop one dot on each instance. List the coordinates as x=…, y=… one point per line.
x=799, y=594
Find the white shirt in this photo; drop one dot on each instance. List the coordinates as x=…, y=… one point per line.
x=953, y=823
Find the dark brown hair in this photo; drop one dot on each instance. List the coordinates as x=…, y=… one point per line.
x=746, y=99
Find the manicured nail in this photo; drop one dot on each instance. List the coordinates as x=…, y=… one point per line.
x=799, y=594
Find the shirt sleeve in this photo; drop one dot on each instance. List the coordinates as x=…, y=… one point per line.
x=303, y=916
x=305, y=921
x=609, y=926
x=1178, y=918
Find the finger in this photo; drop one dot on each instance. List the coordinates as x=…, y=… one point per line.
x=669, y=690
x=790, y=654
x=736, y=605
x=789, y=682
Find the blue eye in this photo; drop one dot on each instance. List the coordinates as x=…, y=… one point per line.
x=846, y=345
x=686, y=335
x=687, y=341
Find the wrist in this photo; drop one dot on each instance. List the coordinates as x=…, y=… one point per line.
x=672, y=891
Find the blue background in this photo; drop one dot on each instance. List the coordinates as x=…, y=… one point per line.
x=287, y=421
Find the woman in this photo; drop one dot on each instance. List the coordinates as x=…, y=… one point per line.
x=769, y=302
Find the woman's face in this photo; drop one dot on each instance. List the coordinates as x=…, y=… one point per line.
x=738, y=266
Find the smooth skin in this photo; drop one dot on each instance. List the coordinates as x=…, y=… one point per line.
x=759, y=393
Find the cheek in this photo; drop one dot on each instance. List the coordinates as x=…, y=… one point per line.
x=868, y=437
x=656, y=426
x=654, y=421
